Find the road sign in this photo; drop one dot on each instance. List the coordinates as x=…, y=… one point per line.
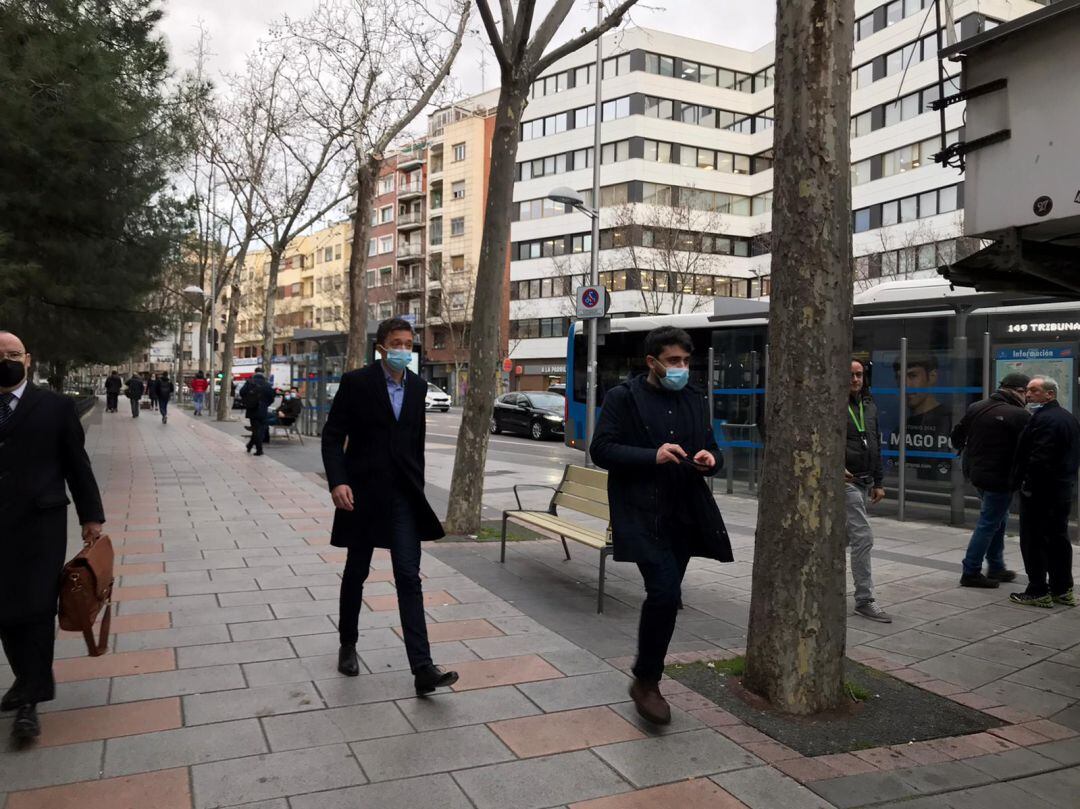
x=592, y=301
x=507, y=365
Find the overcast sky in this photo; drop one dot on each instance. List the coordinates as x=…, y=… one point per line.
x=235, y=25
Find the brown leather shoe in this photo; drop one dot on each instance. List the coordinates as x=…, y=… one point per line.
x=650, y=704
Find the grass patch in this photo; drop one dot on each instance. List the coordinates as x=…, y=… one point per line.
x=856, y=692
x=491, y=531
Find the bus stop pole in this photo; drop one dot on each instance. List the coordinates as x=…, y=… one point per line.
x=901, y=469
x=959, y=407
x=752, y=427
x=594, y=268
x=988, y=381
x=710, y=381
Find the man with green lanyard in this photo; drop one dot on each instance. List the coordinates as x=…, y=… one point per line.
x=862, y=476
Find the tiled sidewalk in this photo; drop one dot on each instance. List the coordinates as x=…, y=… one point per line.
x=221, y=690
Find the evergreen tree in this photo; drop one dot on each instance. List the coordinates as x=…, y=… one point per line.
x=90, y=132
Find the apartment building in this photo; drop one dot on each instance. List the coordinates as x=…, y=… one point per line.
x=686, y=172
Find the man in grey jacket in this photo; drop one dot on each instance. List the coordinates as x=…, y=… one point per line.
x=863, y=479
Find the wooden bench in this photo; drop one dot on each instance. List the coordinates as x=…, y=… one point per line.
x=289, y=430
x=582, y=490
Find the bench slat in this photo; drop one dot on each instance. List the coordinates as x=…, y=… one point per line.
x=583, y=491
x=597, y=478
x=590, y=507
x=571, y=531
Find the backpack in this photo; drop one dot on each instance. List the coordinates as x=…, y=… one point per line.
x=252, y=396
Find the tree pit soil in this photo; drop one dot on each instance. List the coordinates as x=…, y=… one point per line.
x=895, y=712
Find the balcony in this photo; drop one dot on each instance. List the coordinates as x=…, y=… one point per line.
x=410, y=220
x=407, y=190
x=411, y=160
x=410, y=284
x=407, y=250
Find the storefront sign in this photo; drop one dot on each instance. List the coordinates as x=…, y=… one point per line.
x=552, y=369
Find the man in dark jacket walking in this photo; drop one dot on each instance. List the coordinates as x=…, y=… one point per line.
x=1047, y=460
x=863, y=478
x=112, y=391
x=152, y=391
x=165, y=390
x=987, y=437
x=655, y=438
x=373, y=452
x=41, y=449
x=135, y=388
x=256, y=395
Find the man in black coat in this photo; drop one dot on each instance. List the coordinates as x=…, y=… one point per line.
x=1047, y=460
x=112, y=391
x=373, y=452
x=256, y=395
x=41, y=448
x=987, y=436
x=165, y=389
x=655, y=438
x=135, y=388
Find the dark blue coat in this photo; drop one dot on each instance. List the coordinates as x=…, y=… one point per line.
x=1048, y=453
x=639, y=488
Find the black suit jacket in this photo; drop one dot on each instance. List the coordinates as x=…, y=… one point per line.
x=41, y=449
x=1048, y=454
x=383, y=459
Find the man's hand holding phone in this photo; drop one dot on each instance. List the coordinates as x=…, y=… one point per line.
x=671, y=453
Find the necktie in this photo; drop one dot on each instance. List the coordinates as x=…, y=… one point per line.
x=5, y=408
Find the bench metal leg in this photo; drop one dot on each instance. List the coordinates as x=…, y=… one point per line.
x=502, y=546
x=604, y=554
x=566, y=548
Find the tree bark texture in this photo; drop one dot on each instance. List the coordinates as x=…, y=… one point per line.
x=467, y=483
x=795, y=648
x=224, y=396
x=271, y=303
x=356, y=349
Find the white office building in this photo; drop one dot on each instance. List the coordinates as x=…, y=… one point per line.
x=686, y=172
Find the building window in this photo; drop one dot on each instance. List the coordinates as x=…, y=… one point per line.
x=457, y=189
x=435, y=232
x=457, y=264
x=457, y=226
x=459, y=152
x=386, y=214
x=328, y=254
x=386, y=244
x=373, y=247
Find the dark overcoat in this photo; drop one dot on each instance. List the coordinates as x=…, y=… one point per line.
x=623, y=446
x=41, y=449
x=382, y=459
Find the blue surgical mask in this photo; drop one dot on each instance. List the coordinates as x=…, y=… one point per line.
x=675, y=378
x=398, y=358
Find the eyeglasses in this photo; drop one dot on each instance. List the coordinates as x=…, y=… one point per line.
x=12, y=355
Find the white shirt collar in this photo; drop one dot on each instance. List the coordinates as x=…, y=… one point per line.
x=18, y=392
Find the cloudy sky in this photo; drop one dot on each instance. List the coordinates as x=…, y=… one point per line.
x=235, y=25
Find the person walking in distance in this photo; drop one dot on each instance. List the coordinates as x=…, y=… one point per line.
x=152, y=391
x=862, y=483
x=655, y=438
x=165, y=390
x=987, y=437
x=199, y=386
x=256, y=395
x=41, y=449
x=135, y=388
x=113, y=384
x=373, y=452
x=1047, y=460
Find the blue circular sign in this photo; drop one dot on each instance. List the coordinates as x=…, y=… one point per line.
x=590, y=298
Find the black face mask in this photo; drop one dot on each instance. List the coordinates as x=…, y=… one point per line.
x=12, y=373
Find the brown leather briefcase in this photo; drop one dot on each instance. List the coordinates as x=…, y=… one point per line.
x=85, y=588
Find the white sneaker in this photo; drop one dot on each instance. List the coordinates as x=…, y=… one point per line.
x=872, y=611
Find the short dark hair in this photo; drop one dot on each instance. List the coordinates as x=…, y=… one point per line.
x=1015, y=380
x=258, y=370
x=928, y=362
x=389, y=325
x=862, y=363
x=660, y=338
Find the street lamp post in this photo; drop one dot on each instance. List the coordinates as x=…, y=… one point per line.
x=191, y=293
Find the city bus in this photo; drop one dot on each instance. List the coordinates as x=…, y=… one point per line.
x=959, y=344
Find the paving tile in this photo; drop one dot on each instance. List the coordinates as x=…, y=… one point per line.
x=765, y=788
x=274, y=775
x=1032, y=700
x=176, y=683
x=367, y=688
x=283, y=628
x=183, y=747
x=137, y=569
x=250, y=651
x=670, y=758
x=885, y=758
x=414, y=754
x=225, y=615
x=916, y=643
x=120, y=624
x=581, y=691
x=860, y=790
x=1015, y=653
x=540, y=782
x=466, y=708
x=1019, y=735
x=1050, y=676
x=1012, y=764
x=807, y=770
x=565, y=731
x=266, y=700
x=349, y=724
x=846, y=764
x=576, y=661
x=771, y=751
x=49, y=766
x=1057, y=789
x=941, y=777
x=109, y=721
x=170, y=604
x=693, y=794
x=369, y=638
x=166, y=789
x=959, y=669
x=296, y=594
x=171, y=638
x=121, y=594
x=680, y=720
x=82, y=694
x=460, y=630
x=504, y=671
x=1065, y=752
x=436, y=598
x=446, y=655
x=114, y=665
x=430, y=790
x=1051, y=730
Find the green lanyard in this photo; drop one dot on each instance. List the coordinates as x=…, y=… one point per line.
x=860, y=422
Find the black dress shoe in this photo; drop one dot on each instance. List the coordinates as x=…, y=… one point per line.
x=347, y=662
x=1003, y=576
x=978, y=580
x=431, y=677
x=26, y=727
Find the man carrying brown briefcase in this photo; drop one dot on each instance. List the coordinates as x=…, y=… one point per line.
x=41, y=449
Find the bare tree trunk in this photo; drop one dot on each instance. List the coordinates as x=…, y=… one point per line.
x=356, y=348
x=269, y=306
x=204, y=329
x=467, y=484
x=795, y=648
x=224, y=396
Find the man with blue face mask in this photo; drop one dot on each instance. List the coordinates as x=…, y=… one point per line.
x=373, y=452
x=655, y=438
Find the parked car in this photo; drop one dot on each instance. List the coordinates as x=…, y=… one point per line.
x=436, y=399
x=536, y=414
x=558, y=387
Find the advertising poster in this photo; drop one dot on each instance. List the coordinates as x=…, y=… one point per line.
x=930, y=401
x=1052, y=361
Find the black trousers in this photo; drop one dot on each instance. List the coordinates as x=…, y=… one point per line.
x=663, y=594
x=1044, y=541
x=29, y=650
x=405, y=557
x=258, y=431
x=111, y=400
x=134, y=407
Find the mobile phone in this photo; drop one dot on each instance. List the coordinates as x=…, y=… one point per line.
x=700, y=467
